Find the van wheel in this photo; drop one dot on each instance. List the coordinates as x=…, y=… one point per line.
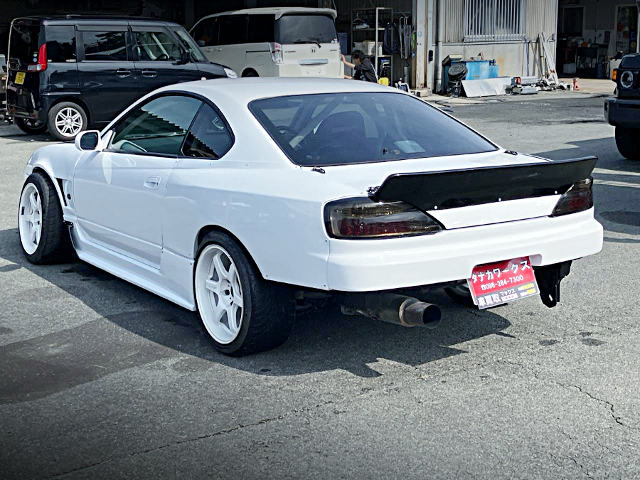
x=250, y=73
x=29, y=126
x=242, y=312
x=66, y=120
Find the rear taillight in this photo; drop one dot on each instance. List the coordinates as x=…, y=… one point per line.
x=577, y=199
x=276, y=53
x=41, y=66
x=361, y=218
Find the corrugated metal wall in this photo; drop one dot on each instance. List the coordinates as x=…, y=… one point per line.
x=542, y=16
x=454, y=20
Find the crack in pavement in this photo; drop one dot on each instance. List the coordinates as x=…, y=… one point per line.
x=194, y=439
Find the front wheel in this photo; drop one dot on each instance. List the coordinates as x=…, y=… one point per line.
x=242, y=313
x=628, y=142
x=43, y=235
x=30, y=126
x=66, y=120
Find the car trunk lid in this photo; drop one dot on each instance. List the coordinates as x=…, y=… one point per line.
x=472, y=190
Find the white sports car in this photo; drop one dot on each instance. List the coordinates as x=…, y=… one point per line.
x=241, y=198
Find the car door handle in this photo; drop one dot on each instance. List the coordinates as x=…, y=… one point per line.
x=123, y=73
x=149, y=73
x=152, y=183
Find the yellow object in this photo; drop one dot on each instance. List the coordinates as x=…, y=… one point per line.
x=19, y=78
x=384, y=81
x=614, y=75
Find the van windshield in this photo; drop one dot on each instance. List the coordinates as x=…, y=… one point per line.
x=23, y=43
x=344, y=128
x=305, y=29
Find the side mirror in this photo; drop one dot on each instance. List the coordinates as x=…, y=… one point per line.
x=87, y=141
x=201, y=43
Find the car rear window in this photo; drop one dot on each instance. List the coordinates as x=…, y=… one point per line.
x=23, y=43
x=346, y=128
x=305, y=28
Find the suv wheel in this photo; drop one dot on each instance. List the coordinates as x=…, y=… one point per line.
x=66, y=120
x=628, y=142
x=32, y=127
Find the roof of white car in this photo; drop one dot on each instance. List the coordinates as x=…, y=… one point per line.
x=245, y=90
x=278, y=12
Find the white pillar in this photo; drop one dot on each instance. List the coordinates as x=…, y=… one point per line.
x=420, y=26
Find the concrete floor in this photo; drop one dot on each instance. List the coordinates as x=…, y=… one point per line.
x=101, y=379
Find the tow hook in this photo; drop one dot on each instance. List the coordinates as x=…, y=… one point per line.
x=549, y=278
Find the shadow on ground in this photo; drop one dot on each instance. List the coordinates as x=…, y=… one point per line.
x=133, y=327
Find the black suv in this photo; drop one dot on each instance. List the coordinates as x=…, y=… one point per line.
x=69, y=72
x=623, y=110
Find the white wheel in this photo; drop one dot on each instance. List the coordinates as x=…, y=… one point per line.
x=69, y=122
x=219, y=294
x=30, y=218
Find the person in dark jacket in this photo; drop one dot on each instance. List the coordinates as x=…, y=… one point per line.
x=363, y=67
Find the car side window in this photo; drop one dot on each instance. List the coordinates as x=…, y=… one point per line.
x=233, y=30
x=105, y=46
x=61, y=44
x=156, y=45
x=208, y=137
x=261, y=28
x=157, y=127
x=207, y=32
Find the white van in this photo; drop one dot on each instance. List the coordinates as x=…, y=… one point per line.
x=273, y=42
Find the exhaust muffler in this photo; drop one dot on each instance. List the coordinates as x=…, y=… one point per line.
x=393, y=308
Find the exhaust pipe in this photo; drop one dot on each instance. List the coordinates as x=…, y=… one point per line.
x=393, y=308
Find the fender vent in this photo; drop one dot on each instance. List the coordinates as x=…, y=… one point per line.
x=64, y=199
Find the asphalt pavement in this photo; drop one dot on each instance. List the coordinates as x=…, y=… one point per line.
x=100, y=379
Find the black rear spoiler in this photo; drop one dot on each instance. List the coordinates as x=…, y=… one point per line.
x=477, y=186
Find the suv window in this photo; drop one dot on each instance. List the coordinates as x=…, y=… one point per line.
x=233, y=30
x=105, y=46
x=156, y=45
x=61, y=43
x=209, y=136
x=159, y=126
x=305, y=28
x=207, y=31
x=261, y=28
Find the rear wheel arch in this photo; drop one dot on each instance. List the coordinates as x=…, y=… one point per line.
x=204, y=231
x=250, y=72
x=78, y=102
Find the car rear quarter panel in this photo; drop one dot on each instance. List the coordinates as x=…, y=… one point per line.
x=276, y=214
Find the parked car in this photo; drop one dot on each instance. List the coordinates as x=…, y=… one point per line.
x=623, y=110
x=237, y=197
x=67, y=73
x=273, y=42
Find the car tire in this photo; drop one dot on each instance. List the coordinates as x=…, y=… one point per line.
x=44, y=238
x=30, y=127
x=250, y=73
x=66, y=120
x=628, y=142
x=241, y=312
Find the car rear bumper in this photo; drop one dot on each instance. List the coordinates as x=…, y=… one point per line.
x=22, y=104
x=622, y=112
x=450, y=255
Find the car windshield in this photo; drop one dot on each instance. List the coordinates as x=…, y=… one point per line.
x=346, y=128
x=305, y=29
x=190, y=45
